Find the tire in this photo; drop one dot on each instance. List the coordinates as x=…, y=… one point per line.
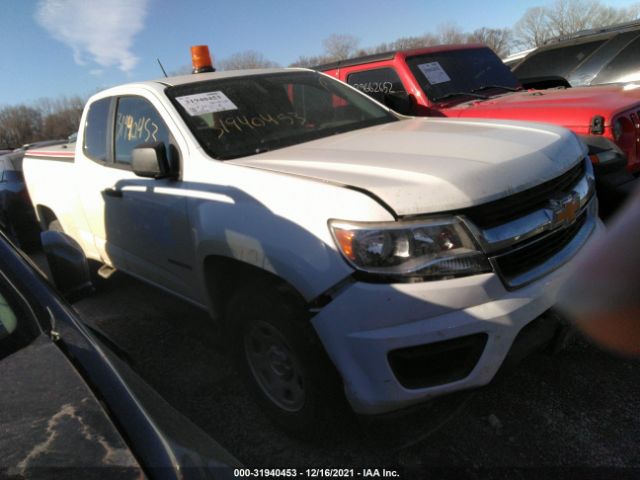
x=24, y=240
x=282, y=361
x=55, y=226
x=97, y=281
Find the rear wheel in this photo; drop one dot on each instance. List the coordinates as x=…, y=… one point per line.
x=282, y=360
x=98, y=281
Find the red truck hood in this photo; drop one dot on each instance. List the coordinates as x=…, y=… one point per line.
x=572, y=107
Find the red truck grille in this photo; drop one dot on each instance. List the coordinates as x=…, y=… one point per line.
x=504, y=210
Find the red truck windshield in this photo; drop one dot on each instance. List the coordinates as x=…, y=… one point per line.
x=240, y=116
x=461, y=74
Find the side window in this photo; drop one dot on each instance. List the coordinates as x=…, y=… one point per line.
x=379, y=81
x=95, y=130
x=137, y=122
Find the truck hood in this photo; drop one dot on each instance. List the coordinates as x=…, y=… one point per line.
x=423, y=165
x=572, y=107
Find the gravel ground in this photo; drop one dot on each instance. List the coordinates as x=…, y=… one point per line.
x=572, y=415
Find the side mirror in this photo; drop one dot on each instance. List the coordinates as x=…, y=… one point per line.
x=401, y=102
x=68, y=265
x=150, y=160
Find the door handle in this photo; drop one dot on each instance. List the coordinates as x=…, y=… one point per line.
x=112, y=192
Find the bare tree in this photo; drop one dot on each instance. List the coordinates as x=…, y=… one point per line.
x=425, y=40
x=46, y=119
x=340, y=46
x=60, y=117
x=451, y=33
x=19, y=125
x=535, y=28
x=246, y=60
x=632, y=12
x=498, y=39
x=565, y=17
x=311, y=61
x=569, y=16
x=532, y=30
x=610, y=15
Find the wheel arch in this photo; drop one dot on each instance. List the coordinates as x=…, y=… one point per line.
x=225, y=275
x=45, y=216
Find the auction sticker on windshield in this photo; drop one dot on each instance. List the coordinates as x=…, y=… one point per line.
x=210, y=102
x=434, y=72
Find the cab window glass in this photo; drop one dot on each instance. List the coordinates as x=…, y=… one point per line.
x=558, y=62
x=452, y=74
x=137, y=122
x=626, y=63
x=95, y=130
x=380, y=81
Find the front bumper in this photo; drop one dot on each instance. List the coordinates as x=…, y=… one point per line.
x=365, y=322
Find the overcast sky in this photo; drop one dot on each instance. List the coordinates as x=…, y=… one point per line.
x=51, y=48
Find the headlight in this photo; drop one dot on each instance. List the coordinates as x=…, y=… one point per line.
x=617, y=129
x=431, y=249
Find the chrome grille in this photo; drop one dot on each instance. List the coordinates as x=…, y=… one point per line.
x=504, y=210
x=540, y=229
x=537, y=251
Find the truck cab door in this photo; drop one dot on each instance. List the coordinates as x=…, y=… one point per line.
x=384, y=85
x=139, y=225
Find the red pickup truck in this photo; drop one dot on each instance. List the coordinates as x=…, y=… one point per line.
x=471, y=81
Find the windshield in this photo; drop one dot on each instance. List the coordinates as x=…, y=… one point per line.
x=242, y=116
x=461, y=73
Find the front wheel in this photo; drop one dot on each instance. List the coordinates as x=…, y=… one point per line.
x=282, y=360
x=275, y=366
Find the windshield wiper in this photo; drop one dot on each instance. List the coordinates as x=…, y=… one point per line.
x=459, y=94
x=487, y=87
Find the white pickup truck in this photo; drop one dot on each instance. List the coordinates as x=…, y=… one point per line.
x=348, y=252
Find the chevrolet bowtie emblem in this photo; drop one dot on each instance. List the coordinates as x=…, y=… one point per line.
x=565, y=209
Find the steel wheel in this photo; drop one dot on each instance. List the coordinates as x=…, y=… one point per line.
x=274, y=366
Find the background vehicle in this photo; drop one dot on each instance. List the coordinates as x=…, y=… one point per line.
x=471, y=81
x=589, y=57
x=17, y=218
x=70, y=406
x=346, y=251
